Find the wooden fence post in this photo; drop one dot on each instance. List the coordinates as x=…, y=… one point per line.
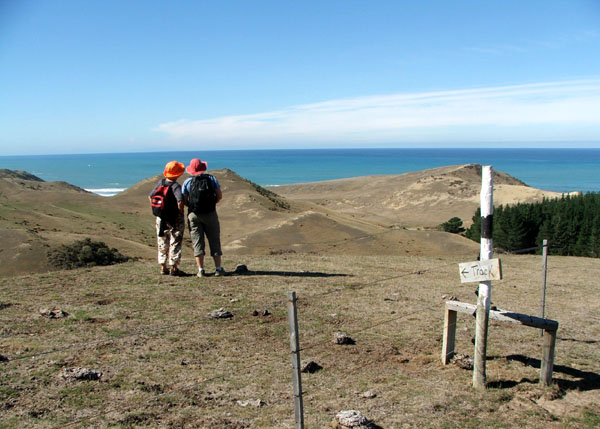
x=485, y=288
x=550, y=328
x=449, y=336
x=547, y=365
x=295, y=356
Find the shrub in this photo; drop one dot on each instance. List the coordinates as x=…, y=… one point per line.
x=85, y=253
x=453, y=225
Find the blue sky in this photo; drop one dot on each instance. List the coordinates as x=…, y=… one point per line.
x=128, y=76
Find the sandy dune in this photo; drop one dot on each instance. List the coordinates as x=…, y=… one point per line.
x=421, y=199
x=375, y=215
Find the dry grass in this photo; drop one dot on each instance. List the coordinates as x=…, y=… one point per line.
x=341, y=216
x=166, y=363
x=420, y=199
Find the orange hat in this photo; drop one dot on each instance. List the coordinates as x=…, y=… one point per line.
x=173, y=170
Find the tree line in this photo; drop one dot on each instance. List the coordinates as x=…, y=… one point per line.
x=571, y=225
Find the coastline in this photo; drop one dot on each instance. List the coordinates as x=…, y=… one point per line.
x=558, y=170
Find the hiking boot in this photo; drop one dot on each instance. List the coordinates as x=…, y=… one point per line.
x=176, y=272
x=219, y=272
x=201, y=273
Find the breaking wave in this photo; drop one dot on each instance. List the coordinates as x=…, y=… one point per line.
x=106, y=192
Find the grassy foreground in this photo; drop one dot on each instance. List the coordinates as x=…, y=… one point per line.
x=165, y=362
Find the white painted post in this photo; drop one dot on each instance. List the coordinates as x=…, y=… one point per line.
x=295, y=355
x=485, y=288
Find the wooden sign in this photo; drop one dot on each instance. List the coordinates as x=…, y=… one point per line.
x=480, y=271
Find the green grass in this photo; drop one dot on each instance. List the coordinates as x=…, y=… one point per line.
x=590, y=418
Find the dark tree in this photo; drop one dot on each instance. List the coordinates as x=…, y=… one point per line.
x=453, y=225
x=571, y=225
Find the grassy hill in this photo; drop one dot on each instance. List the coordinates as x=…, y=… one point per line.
x=383, y=215
x=421, y=199
x=36, y=216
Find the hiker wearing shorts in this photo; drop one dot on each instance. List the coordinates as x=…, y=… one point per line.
x=201, y=194
x=170, y=225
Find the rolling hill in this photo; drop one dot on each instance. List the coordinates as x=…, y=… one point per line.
x=421, y=199
x=375, y=215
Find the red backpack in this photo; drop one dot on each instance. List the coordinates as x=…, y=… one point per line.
x=163, y=202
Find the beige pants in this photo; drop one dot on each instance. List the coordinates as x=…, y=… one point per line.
x=205, y=224
x=169, y=245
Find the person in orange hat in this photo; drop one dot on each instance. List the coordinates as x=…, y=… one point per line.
x=166, y=200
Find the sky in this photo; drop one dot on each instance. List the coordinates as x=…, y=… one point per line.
x=95, y=76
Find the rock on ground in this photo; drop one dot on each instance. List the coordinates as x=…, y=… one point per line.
x=81, y=374
x=341, y=338
x=312, y=367
x=220, y=313
x=351, y=419
x=251, y=402
x=463, y=361
x=55, y=313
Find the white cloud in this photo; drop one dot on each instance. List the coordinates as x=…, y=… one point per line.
x=531, y=112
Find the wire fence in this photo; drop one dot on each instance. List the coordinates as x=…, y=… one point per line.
x=316, y=346
x=526, y=250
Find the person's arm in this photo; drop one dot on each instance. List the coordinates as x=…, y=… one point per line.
x=178, y=193
x=217, y=188
x=185, y=193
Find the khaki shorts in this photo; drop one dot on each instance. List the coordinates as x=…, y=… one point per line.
x=205, y=224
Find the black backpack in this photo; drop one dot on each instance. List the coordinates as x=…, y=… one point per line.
x=202, y=198
x=164, y=203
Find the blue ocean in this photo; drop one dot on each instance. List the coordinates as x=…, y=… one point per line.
x=560, y=170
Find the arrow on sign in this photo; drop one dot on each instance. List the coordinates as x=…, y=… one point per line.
x=480, y=271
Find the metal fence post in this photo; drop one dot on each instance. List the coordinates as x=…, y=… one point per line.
x=295, y=355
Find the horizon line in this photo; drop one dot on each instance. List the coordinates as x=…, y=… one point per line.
x=591, y=145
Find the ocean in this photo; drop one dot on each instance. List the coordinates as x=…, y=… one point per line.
x=560, y=170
